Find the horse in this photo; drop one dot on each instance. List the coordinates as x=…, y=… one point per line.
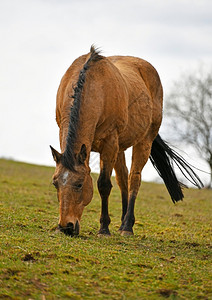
x=106, y=105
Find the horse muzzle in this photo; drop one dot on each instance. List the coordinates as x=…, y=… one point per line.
x=70, y=229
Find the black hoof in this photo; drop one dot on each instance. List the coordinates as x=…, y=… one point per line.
x=104, y=231
x=126, y=229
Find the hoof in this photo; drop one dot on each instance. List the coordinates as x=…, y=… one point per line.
x=104, y=232
x=126, y=233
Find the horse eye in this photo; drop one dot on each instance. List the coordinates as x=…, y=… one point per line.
x=77, y=187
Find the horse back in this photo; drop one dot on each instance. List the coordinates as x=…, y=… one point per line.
x=138, y=73
x=145, y=97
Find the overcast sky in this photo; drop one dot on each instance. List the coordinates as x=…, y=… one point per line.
x=41, y=38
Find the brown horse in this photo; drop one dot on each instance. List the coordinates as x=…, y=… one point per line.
x=107, y=104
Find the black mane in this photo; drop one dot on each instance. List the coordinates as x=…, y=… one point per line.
x=68, y=158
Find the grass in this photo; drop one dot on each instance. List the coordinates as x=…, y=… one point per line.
x=168, y=257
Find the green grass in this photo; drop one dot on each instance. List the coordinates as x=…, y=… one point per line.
x=168, y=257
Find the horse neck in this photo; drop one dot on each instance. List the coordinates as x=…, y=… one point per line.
x=88, y=118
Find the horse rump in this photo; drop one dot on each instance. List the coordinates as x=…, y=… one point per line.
x=163, y=157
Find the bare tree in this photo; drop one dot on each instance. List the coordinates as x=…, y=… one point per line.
x=189, y=109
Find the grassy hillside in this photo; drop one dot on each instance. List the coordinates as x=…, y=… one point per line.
x=168, y=257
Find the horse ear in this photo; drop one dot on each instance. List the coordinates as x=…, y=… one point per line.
x=82, y=155
x=56, y=155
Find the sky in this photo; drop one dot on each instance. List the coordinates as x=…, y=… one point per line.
x=41, y=38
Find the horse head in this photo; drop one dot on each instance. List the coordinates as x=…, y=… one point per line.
x=74, y=190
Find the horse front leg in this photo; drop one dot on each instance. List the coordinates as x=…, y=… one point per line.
x=141, y=152
x=104, y=187
x=108, y=157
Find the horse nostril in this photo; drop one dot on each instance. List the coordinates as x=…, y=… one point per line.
x=70, y=229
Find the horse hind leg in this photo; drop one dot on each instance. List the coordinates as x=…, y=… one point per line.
x=122, y=180
x=141, y=152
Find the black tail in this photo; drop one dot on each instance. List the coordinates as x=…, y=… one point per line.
x=162, y=158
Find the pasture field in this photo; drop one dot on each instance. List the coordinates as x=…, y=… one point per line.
x=168, y=257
